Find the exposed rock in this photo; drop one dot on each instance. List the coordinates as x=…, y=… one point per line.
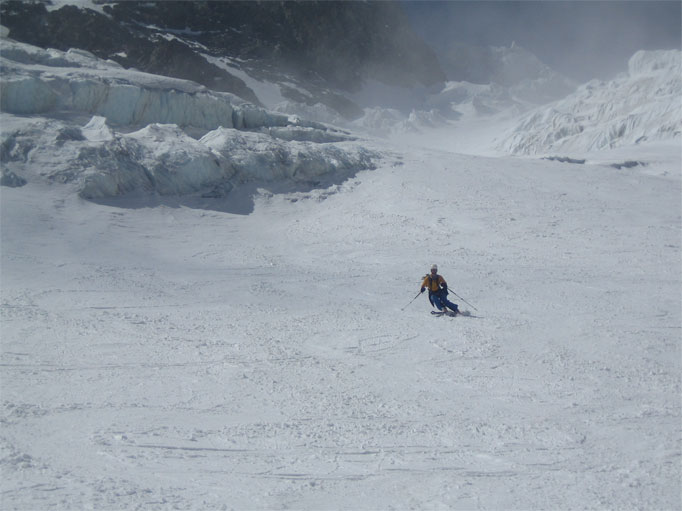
x=73, y=27
x=332, y=46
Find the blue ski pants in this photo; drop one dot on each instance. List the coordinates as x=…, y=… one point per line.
x=441, y=302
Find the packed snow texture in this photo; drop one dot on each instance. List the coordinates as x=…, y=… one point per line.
x=642, y=105
x=160, y=156
x=162, y=356
x=171, y=351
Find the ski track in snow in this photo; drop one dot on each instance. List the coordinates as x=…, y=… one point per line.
x=164, y=357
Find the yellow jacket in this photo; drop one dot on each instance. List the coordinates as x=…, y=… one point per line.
x=434, y=283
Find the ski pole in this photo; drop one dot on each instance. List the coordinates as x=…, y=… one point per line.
x=413, y=299
x=464, y=301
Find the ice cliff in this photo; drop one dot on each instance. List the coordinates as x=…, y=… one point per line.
x=111, y=131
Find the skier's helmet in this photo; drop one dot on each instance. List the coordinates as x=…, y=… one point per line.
x=434, y=268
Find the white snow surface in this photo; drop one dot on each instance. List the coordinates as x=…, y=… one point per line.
x=264, y=346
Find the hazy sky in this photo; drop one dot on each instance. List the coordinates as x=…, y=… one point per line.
x=582, y=39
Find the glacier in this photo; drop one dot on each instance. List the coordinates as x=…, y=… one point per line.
x=110, y=131
x=636, y=107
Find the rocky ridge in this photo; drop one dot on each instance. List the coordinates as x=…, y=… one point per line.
x=324, y=48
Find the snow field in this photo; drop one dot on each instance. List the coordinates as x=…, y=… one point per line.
x=174, y=354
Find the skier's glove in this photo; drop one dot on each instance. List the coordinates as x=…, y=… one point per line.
x=422, y=290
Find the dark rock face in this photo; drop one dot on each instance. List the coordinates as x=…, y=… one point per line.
x=342, y=42
x=331, y=46
x=72, y=27
x=66, y=28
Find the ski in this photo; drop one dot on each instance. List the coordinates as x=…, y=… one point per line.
x=453, y=314
x=444, y=313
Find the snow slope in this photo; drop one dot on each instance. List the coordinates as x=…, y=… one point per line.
x=256, y=347
x=172, y=355
x=642, y=105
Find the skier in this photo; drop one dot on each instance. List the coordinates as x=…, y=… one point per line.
x=438, y=291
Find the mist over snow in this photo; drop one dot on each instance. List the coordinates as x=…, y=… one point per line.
x=579, y=40
x=512, y=81
x=211, y=304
